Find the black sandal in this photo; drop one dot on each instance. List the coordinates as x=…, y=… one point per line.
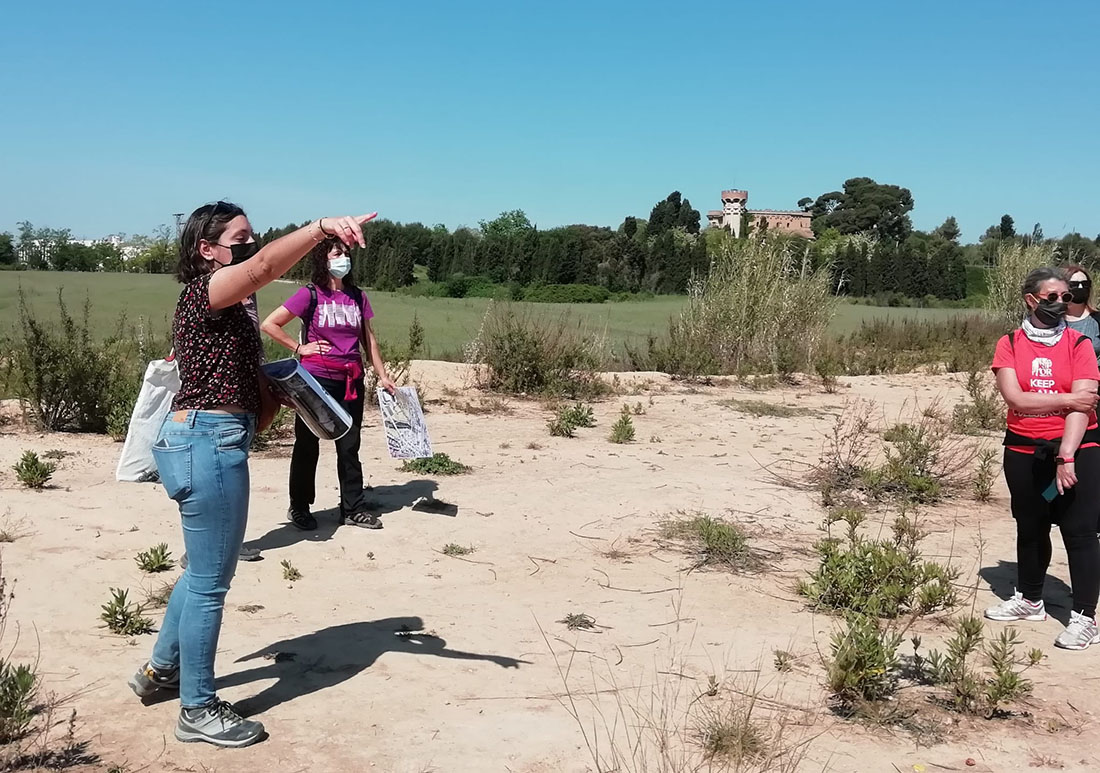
x=362, y=519
x=303, y=519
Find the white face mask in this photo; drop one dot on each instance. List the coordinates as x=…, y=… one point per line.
x=339, y=267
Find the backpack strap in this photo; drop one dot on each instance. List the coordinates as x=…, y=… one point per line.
x=307, y=318
x=357, y=295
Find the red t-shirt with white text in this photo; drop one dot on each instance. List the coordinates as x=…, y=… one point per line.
x=1046, y=370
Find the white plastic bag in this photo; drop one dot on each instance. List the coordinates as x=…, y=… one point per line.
x=154, y=401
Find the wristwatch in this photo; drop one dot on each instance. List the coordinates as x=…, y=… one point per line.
x=1060, y=460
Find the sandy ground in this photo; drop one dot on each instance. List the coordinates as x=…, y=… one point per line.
x=563, y=526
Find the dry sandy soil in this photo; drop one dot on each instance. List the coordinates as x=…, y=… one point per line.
x=560, y=526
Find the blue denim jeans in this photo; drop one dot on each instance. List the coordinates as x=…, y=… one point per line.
x=202, y=459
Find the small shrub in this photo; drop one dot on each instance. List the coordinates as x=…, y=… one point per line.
x=122, y=398
x=559, y=426
x=123, y=617
x=518, y=354
x=622, y=431
x=533, y=446
x=784, y=661
x=923, y=462
x=975, y=692
x=18, y=699
x=68, y=380
x=453, y=549
x=436, y=464
x=155, y=559
x=32, y=472
x=984, y=412
x=290, y=572
x=828, y=369
x=638, y=409
x=864, y=663
x=986, y=474
x=877, y=578
x=56, y=454
x=711, y=541
x=580, y=415
x=569, y=418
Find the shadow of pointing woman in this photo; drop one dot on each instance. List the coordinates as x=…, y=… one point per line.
x=325, y=658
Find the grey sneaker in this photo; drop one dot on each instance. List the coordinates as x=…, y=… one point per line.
x=247, y=554
x=1017, y=608
x=218, y=723
x=149, y=679
x=1080, y=634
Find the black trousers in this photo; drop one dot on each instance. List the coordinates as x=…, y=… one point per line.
x=303, y=462
x=1076, y=512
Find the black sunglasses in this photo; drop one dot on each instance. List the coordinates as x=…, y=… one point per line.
x=1080, y=284
x=1054, y=297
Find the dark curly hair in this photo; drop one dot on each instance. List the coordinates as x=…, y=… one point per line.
x=207, y=223
x=319, y=258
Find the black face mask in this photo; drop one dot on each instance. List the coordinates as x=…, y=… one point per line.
x=1080, y=294
x=242, y=252
x=1050, y=313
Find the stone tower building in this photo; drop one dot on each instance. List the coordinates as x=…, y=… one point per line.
x=735, y=204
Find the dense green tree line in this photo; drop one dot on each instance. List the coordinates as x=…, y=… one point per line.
x=864, y=230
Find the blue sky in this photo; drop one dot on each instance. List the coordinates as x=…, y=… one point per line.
x=119, y=114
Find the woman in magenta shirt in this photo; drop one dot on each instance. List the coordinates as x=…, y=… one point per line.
x=335, y=318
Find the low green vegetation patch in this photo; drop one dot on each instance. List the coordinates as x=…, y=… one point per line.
x=156, y=559
x=123, y=617
x=880, y=578
x=436, y=464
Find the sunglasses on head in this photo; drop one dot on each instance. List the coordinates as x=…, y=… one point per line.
x=1054, y=297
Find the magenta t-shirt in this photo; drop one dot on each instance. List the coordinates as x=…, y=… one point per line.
x=338, y=320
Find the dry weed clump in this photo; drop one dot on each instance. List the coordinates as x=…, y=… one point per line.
x=662, y=722
x=737, y=316
x=758, y=408
x=920, y=461
x=711, y=542
x=883, y=346
x=985, y=410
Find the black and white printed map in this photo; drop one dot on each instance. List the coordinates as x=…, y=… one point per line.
x=406, y=432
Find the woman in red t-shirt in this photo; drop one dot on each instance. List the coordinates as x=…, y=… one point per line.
x=1048, y=376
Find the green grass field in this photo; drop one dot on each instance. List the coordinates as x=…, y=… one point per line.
x=448, y=323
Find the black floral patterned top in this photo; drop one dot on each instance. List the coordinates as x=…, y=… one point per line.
x=217, y=353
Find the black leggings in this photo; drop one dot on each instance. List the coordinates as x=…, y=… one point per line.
x=1076, y=512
